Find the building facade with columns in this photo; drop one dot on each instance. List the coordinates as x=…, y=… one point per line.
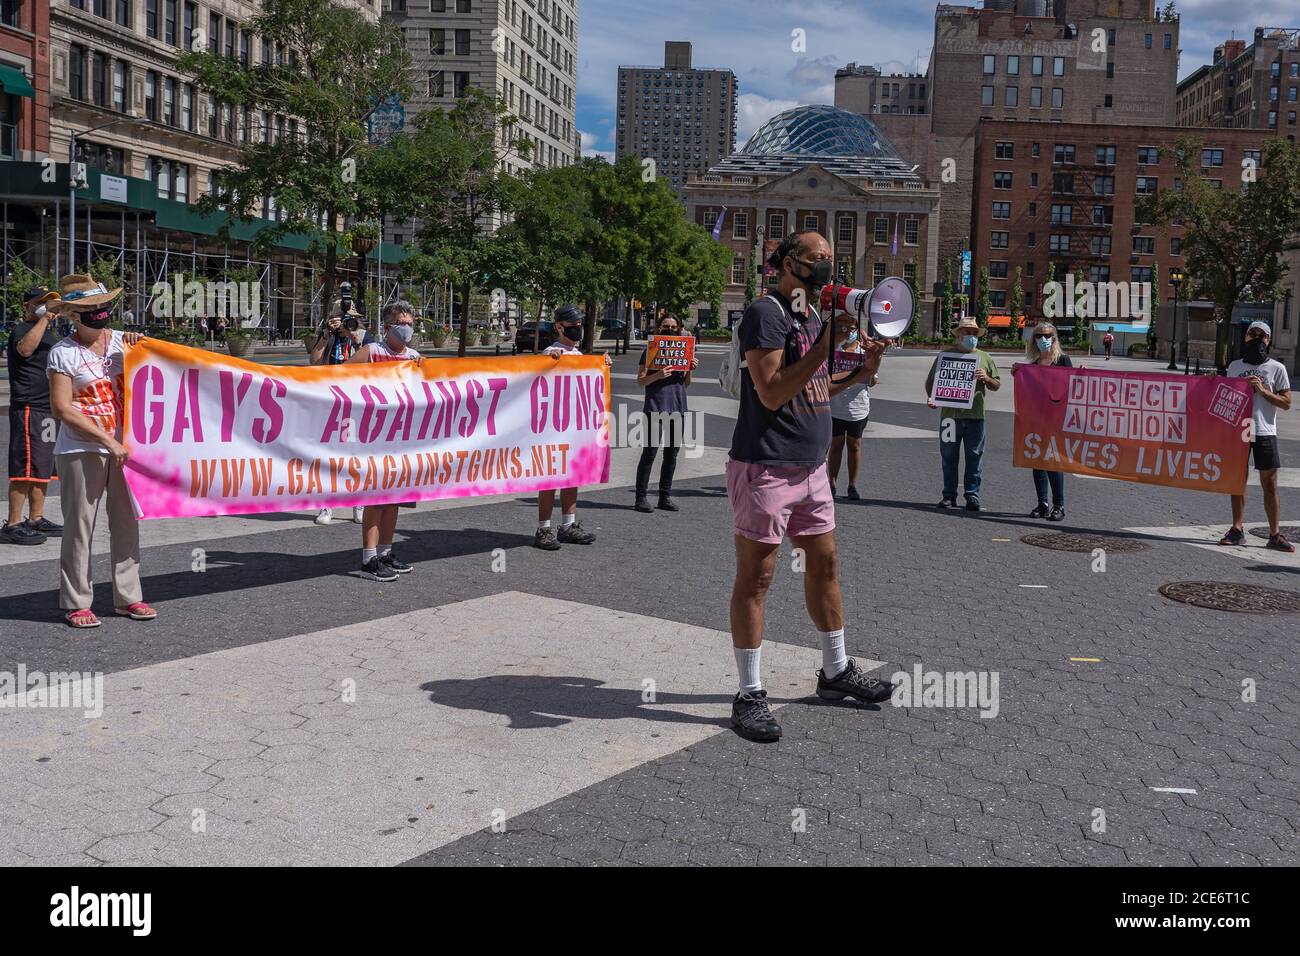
x=820, y=168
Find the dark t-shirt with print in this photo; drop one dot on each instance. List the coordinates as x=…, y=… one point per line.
x=665, y=394
x=28, y=383
x=799, y=432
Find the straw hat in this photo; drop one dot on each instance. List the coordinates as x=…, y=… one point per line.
x=79, y=292
x=968, y=322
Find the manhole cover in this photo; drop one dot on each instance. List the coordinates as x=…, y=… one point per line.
x=1289, y=531
x=1086, y=543
x=1227, y=596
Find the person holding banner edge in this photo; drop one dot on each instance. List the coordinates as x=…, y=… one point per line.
x=85, y=372
x=379, y=522
x=569, y=323
x=960, y=427
x=1272, y=390
x=665, y=397
x=1044, y=348
x=777, y=477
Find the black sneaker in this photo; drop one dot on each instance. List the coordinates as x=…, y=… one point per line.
x=972, y=504
x=853, y=682
x=20, y=534
x=1278, y=542
x=853, y=494
x=1057, y=514
x=545, y=540
x=1234, y=536
x=401, y=567
x=46, y=527
x=376, y=570
x=1042, y=511
x=574, y=534
x=643, y=505
x=752, y=717
x=667, y=504
x=947, y=502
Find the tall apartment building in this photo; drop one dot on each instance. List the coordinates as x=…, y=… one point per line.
x=1247, y=87
x=865, y=90
x=1092, y=61
x=1068, y=194
x=524, y=51
x=682, y=117
x=24, y=79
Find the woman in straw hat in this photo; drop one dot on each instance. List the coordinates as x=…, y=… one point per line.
x=85, y=371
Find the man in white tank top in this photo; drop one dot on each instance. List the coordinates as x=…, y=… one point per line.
x=379, y=522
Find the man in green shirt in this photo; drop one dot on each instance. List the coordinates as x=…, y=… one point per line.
x=960, y=427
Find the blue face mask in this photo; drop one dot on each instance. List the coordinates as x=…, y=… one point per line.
x=853, y=336
x=970, y=341
x=1044, y=343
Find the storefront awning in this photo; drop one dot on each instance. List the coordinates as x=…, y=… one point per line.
x=1004, y=321
x=15, y=83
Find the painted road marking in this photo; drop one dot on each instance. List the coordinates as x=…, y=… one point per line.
x=1032, y=585
x=1173, y=790
x=1086, y=660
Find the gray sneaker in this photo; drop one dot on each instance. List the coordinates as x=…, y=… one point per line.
x=853, y=682
x=574, y=534
x=752, y=717
x=545, y=540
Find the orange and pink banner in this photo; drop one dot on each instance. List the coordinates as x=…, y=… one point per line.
x=1184, y=431
x=212, y=435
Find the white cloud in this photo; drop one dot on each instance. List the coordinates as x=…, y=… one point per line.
x=753, y=111
x=589, y=143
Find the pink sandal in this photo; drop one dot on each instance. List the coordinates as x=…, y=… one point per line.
x=139, y=611
x=83, y=618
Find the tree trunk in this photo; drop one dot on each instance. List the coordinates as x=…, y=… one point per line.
x=629, y=316
x=331, y=265
x=589, y=336
x=464, y=317
x=1222, y=332
x=537, y=332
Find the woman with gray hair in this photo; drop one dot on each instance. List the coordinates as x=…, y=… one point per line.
x=379, y=522
x=1044, y=348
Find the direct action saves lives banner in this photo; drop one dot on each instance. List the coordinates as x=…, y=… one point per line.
x=212, y=435
x=1185, y=431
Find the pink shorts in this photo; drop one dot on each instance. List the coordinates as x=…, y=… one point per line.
x=772, y=502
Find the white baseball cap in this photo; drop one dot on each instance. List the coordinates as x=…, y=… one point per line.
x=1262, y=326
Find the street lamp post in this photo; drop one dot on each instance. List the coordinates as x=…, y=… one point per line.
x=1176, y=280
x=72, y=187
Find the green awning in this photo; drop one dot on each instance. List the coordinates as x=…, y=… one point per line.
x=14, y=82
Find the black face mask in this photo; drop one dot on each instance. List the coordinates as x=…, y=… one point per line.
x=573, y=333
x=95, y=320
x=819, y=273
x=1254, y=351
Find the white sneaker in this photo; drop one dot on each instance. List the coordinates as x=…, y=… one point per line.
x=356, y=515
x=324, y=516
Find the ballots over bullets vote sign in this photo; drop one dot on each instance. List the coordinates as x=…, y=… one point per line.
x=954, y=380
x=666, y=353
x=213, y=435
x=1183, y=431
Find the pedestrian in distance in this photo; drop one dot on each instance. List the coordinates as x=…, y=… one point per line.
x=665, y=413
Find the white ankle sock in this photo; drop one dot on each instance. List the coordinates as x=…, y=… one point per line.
x=568, y=520
x=747, y=662
x=385, y=549
x=368, y=555
x=833, y=658
x=541, y=525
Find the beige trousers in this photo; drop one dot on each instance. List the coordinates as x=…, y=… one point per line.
x=83, y=480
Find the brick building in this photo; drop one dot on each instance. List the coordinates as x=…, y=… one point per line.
x=1093, y=61
x=1247, y=87
x=1067, y=193
x=24, y=79
x=816, y=167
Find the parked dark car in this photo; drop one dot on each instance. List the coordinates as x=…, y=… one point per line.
x=614, y=329
x=530, y=330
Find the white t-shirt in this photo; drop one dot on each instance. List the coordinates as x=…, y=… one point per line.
x=852, y=404
x=380, y=352
x=1262, y=411
x=96, y=390
x=562, y=347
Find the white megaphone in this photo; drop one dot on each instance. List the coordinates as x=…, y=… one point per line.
x=888, y=308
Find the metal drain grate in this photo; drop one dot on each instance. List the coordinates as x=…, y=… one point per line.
x=1229, y=596
x=1085, y=543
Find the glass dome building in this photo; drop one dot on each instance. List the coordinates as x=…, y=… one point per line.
x=820, y=131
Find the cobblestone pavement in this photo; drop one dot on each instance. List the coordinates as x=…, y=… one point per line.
x=504, y=716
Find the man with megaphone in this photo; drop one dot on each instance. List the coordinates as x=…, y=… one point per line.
x=777, y=478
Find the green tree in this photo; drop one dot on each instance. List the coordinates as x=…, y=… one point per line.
x=1232, y=239
x=335, y=67
x=983, y=302
x=949, y=301
x=1017, y=302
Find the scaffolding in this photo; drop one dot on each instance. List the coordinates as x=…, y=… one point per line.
x=145, y=256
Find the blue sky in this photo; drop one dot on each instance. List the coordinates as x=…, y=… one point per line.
x=753, y=39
